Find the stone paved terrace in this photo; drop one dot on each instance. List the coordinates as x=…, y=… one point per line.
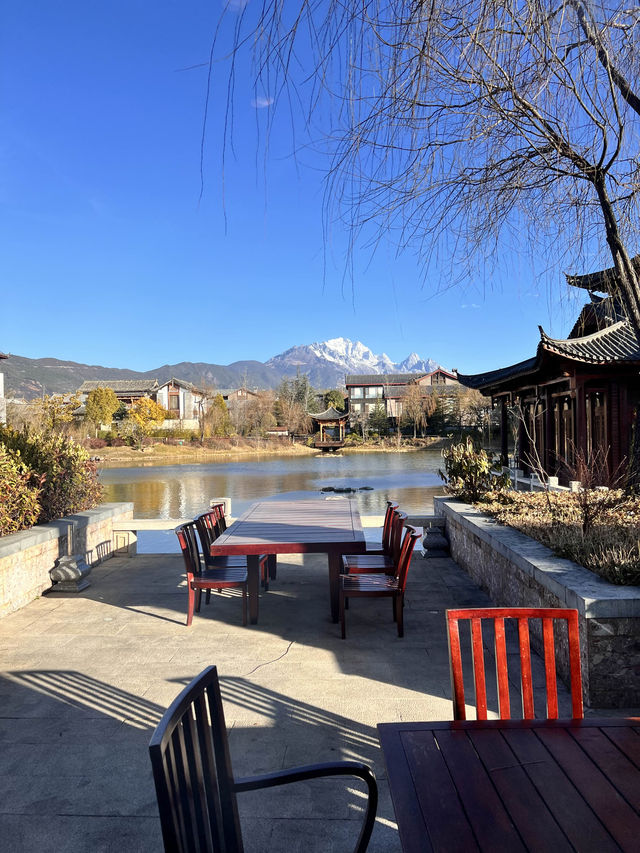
x=86, y=678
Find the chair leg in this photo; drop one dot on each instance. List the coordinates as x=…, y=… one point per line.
x=400, y=614
x=244, y=605
x=198, y=600
x=190, y=601
x=207, y=596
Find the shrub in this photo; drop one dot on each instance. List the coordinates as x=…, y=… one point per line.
x=610, y=547
x=469, y=471
x=118, y=441
x=69, y=479
x=95, y=443
x=20, y=490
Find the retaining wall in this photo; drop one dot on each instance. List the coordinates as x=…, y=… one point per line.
x=27, y=557
x=517, y=571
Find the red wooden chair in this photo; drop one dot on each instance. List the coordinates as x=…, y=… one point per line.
x=212, y=524
x=385, y=545
x=498, y=615
x=201, y=578
x=195, y=785
x=377, y=585
x=383, y=561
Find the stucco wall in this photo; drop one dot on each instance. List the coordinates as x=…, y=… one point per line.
x=27, y=557
x=516, y=571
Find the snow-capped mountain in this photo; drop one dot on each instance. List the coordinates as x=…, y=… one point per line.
x=328, y=362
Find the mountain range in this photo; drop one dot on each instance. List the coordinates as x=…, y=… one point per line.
x=325, y=363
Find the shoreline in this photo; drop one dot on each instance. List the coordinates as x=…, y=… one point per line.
x=164, y=454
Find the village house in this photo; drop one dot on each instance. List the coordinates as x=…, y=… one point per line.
x=181, y=399
x=366, y=391
x=575, y=395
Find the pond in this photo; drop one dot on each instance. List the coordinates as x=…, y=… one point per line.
x=184, y=491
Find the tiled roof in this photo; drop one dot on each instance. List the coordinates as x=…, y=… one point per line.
x=122, y=386
x=382, y=378
x=600, y=312
x=612, y=344
x=182, y=382
x=491, y=377
x=615, y=344
x=604, y=281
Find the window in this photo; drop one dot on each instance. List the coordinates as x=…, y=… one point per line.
x=356, y=407
x=174, y=402
x=374, y=391
x=357, y=392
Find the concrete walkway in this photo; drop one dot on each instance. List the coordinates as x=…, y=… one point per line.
x=87, y=677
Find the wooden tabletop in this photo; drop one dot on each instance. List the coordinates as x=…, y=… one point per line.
x=515, y=785
x=331, y=527
x=294, y=527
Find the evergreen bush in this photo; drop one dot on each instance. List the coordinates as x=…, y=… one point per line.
x=68, y=477
x=468, y=472
x=20, y=490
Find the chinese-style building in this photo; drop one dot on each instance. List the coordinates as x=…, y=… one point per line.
x=331, y=428
x=578, y=394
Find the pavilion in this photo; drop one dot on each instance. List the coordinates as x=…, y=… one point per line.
x=330, y=419
x=576, y=395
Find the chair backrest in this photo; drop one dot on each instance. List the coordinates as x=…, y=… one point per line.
x=498, y=615
x=397, y=526
x=387, y=527
x=406, y=552
x=192, y=771
x=218, y=512
x=186, y=534
x=208, y=529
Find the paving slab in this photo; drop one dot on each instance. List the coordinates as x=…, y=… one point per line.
x=87, y=677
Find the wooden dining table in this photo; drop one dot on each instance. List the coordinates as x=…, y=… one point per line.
x=330, y=526
x=503, y=785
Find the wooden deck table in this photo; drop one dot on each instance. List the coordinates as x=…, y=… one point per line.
x=332, y=527
x=506, y=785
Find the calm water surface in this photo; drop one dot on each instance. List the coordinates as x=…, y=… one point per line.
x=184, y=491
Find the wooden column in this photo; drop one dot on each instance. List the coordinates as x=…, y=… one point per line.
x=581, y=419
x=549, y=439
x=504, y=431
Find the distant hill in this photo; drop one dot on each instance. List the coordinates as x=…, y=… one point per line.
x=325, y=363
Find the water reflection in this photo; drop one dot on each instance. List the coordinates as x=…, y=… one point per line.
x=183, y=491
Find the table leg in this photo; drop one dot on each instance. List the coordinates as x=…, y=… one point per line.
x=335, y=564
x=253, y=571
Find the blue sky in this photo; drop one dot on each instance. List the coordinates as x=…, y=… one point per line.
x=110, y=257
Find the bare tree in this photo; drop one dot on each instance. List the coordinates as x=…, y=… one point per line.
x=457, y=127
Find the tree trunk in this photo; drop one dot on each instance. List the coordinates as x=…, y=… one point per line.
x=628, y=289
x=628, y=286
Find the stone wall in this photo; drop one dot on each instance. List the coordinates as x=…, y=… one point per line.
x=27, y=557
x=516, y=571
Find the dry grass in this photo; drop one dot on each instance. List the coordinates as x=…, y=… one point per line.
x=610, y=548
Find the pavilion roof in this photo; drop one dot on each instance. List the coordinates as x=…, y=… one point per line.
x=604, y=281
x=329, y=414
